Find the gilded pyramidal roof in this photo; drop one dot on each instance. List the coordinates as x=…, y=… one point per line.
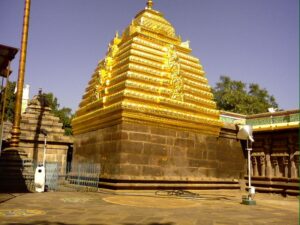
x=148, y=76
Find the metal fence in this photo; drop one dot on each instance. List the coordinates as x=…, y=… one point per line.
x=73, y=177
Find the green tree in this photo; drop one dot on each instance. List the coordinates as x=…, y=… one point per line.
x=65, y=114
x=236, y=96
x=10, y=101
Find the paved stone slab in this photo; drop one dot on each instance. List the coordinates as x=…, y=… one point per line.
x=132, y=208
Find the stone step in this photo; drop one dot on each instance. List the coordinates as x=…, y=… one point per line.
x=15, y=164
x=286, y=184
x=83, y=182
x=72, y=187
x=7, y=154
x=156, y=185
x=16, y=171
x=9, y=178
x=17, y=185
x=277, y=191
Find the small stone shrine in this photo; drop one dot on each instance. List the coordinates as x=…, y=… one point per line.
x=37, y=117
x=148, y=115
x=17, y=166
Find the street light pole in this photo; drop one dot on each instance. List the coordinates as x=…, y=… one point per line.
x=15, y=132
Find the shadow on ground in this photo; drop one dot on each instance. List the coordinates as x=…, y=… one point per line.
x=150, y=224
x=59, y=223
x=6, y=197
x=50, y=223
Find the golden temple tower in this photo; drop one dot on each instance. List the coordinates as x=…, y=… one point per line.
x=149, y=75
x=147, y=98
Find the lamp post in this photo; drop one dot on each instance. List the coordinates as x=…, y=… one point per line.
x=15, y=132
x=45, y=133
x=245, y=133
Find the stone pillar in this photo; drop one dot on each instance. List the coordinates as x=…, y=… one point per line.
x=255, y=166
x=267, y=149
x=285, y=162
x=262, y=166
x=275, y=167
x=293, y=166
x=296, y=160
x=269, y=170
x=292, y=151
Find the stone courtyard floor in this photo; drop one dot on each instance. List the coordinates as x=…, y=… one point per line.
x=146, y=208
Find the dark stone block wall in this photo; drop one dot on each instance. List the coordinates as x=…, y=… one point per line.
x=144, y=153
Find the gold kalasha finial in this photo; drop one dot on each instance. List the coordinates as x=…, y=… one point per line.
x=149, y=4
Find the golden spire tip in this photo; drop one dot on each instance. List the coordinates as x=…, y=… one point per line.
x=149, y=4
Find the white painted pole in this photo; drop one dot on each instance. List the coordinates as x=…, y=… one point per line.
x=249, y=165
x=45, y=144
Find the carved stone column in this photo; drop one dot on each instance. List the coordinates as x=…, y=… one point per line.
x=255, y=166
x=267, y=149
x=296, y=160
x=285, y=162
x=293, y=166
x=292, y=152
x=275, y=167
x=262, y=166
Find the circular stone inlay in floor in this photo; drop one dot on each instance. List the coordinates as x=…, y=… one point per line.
x=151, y=202
x=20, y=212
x=75, y=200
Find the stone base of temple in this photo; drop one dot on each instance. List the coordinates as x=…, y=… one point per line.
x=168, y=185
x=139, y=156
x=278, y=185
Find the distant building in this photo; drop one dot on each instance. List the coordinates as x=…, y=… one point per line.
x=25, y=98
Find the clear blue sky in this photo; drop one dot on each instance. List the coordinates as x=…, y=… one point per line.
x=256, y=41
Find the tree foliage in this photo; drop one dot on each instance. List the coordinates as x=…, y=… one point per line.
x=65, y=114
x=10, y=101
x=238, y=97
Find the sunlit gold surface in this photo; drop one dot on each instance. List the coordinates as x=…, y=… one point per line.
x=278, y=126
x=15, y=133
x=148, y=76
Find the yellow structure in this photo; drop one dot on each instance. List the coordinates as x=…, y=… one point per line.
x=148, y=76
